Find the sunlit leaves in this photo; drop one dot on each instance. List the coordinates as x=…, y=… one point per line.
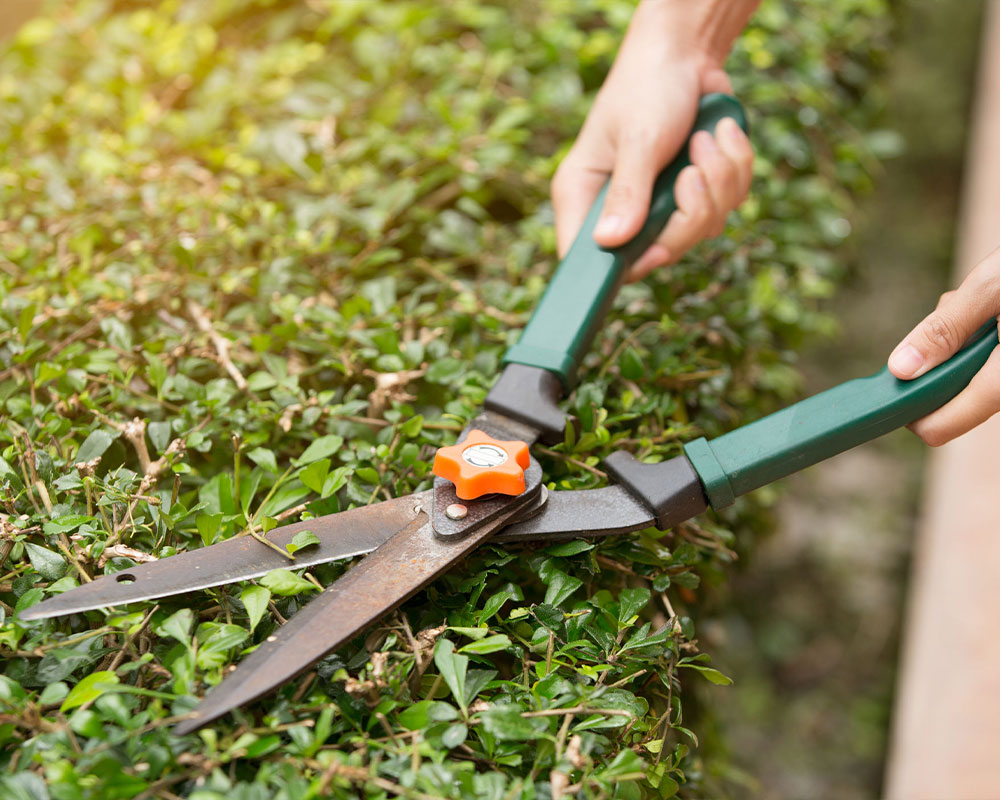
x=89, y=689
x=356, y=195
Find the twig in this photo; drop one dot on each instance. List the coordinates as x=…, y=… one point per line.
x=220, y=343
x=153, y=472
x=64, y=546
x=574, y=461
x=362, y=776
x=269, y=543
x=120, y=655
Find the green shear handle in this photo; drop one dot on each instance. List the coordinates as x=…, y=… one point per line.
x=576, y=300
x=829, y=423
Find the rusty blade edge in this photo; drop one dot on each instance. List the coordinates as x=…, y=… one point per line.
x=384, y=580
x=343, y=535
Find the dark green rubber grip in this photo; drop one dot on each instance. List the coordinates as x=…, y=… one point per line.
x=576, y=300
x=829, y=423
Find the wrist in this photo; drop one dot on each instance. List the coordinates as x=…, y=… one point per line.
x=702, y=30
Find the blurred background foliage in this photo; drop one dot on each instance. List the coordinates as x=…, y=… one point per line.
x=257, y=262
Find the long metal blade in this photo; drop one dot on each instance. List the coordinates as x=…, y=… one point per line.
x=586, y=512
x=343, y=535
x=383, y=580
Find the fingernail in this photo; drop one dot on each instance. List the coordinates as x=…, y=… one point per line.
x=732, y=130
x=906, y=360
x=608, y=226
x=699, y=182
x=707, y=142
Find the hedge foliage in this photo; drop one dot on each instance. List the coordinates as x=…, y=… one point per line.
x=257, y=262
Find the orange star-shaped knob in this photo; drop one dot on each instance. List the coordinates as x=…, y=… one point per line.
x=483, y=465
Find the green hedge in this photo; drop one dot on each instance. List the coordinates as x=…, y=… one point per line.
x=259, y=229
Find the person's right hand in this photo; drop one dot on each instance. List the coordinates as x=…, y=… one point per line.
x=943, y=332
x=672, y=55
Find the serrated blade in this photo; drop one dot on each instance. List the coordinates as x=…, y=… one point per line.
x=343, y=535
x=382, y=581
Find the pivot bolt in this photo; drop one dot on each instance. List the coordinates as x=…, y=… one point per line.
x=456, y=511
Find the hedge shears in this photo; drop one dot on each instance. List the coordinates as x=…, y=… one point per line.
x=489, y=486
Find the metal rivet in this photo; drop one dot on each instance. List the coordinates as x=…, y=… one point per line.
x=456, y=511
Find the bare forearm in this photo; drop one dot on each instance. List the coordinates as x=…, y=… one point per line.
x=706, y=27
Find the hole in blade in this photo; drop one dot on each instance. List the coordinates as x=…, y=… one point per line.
x=125, y=577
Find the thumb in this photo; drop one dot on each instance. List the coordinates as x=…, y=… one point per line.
x=627, y=201
x=939, y=336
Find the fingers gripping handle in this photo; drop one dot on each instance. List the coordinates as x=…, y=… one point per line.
x=576, y=300
x=829, y=423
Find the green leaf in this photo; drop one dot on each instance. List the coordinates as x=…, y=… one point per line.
x=496, y=601
x=445, y=370
x=48, y=564
x=335, y=480
x=490, y=644
x=25, y=320
x=215, y=639
x=88, y=689
x=315, y=474
x=452, y=668
x=94, y=445
x=631, y=602
x=53, y=693
x=689, y=580
x=300, y=540
x=710, y=674
x=321, y=448
x=28, y=599
x=471, y=633
x=286, y=583
x=560, y=587
x=159, y=435
x=642, y=638
x=65, y=524
x=506, y=723
x=631, y=365
x=454, y=735
x=263, y=457
x=424, y=712
x=570, y=548
x=626, y=765
x=255, y=600
x=178, y=626
x=208, y=527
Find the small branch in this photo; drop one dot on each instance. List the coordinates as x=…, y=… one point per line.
x=574, y=461
x=120, y=655
x=220, y=343
x=269, y=543
x=124, y=551
x=71, y=556
x=135, y=432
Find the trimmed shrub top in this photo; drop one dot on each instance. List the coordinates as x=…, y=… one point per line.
x=256, y=263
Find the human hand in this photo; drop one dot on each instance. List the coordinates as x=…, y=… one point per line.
x=672, y=55
x=941, y=334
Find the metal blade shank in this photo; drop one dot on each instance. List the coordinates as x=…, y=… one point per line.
x=382, y=581
x=585, y=513
x=343, y=535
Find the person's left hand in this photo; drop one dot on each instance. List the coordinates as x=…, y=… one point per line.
x=942, y=333
x=639, y=122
